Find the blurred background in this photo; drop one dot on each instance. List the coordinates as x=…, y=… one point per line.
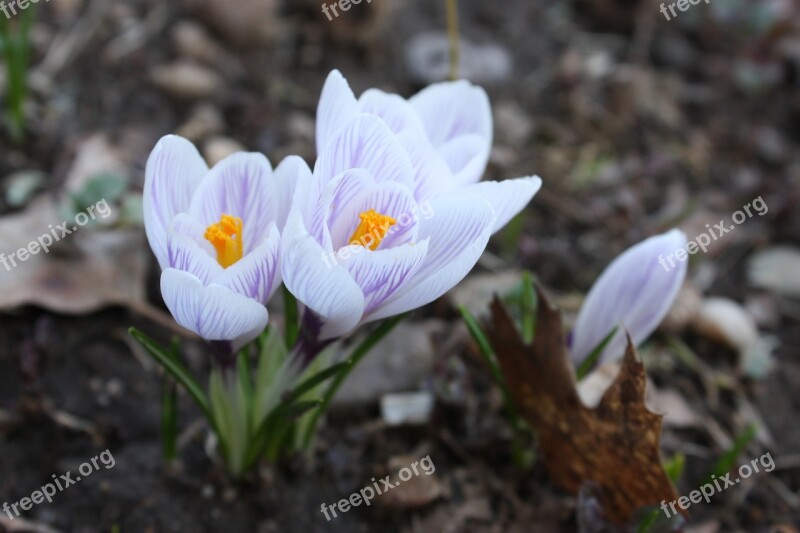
x=636, y=124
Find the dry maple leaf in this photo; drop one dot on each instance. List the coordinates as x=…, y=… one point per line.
x=614, y=446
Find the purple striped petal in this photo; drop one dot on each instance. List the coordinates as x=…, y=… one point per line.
x=463, y=158
x=381, y=273
x=458, y=231
x=174, y=170
x=213, y=312
x=432, y=175
x=185, y=254
x=335, y=199
x=316, y=278
x=634, y=292
x=239, y=186
x=391, y=199
x=256, y=275
x=395, y=111
x=367, y=143
x=337, y=107
x=290, y=174
x=507, y=197
x=185, y=225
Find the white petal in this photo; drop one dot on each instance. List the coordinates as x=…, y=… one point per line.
x=395, y=111
x=186, y=255
x=366, y=143
x=634, y=292
x=185, y=225
x=432, y=175
x=507, y=197
x=391, y=199
x=465, y=158
x=458, y=231
x=452, y=110
x=174, y=169
x=213, y=312
x=335, y=199
x=257, y=274
x=290, y=174
x=316, y=279
x=381, y=273
x=239, y=186
x=337, y=106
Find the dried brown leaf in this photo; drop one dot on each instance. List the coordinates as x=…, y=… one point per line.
x=614, y=446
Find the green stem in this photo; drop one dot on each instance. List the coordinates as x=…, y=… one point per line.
x=452, y=34
x=358, y=354
x=169, y=419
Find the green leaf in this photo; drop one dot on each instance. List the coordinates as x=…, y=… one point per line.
x=169, y=408
x=512, y=233
x=245, y=385
x=109, y=187
x=169, y=418
x=522, y=302
x=484, y=348
x=271, y=358
x=521, y=445
x=291, y=316
x=587, y=364
x=529, y=305
x=318, y=378
x=674, y=467
x=166, y=360
x=358, y=354
x=727, y=462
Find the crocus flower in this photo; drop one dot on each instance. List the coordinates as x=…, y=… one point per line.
x=446, y=132
x=634, y=293
x=216, y=235
x=358, y=245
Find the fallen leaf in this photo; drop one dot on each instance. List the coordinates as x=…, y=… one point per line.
x=80, y=274
x=614, y=446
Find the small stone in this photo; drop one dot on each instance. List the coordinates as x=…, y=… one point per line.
x=687, y=305
x=407, y=408
x=248, y=22
x=777, y=270
x=204, y=120
x=193, y=41
x=513, y=124
x=725, y=321
x=476, y=292
x=218, y=148
x=428, y=60
x=186, y=80
x=415, y=491
x=400, y=362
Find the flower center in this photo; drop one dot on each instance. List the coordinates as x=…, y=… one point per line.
x=372, y=229
x=226, y=237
